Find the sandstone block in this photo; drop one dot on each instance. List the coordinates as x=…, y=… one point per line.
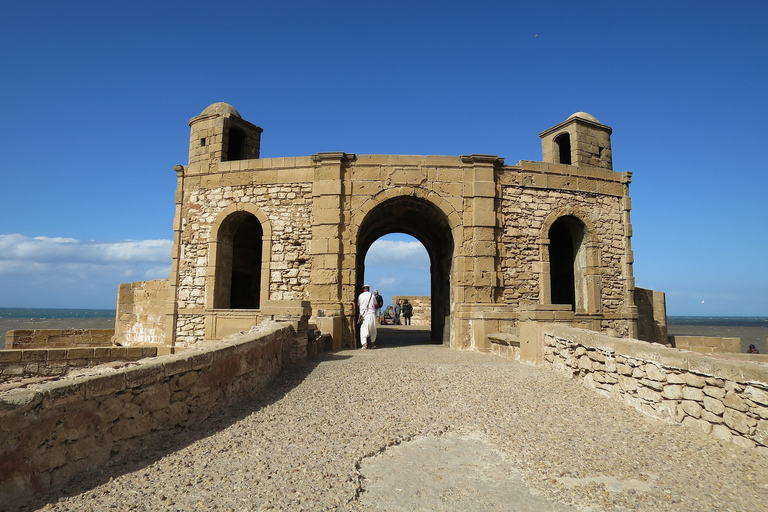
x=130, y=428
x=655, y=385
x=713, y=405
x=722, y=432
x=694, y=380
x=712, y=418
x=627, y=383
x=714, y=392
x=653, y=372
x=691, y=408
x=757, y=395
x=761, y=432
x=648, y=394
x=738, y=421
x=734, y=401
x=672, y=392
x=690, y=393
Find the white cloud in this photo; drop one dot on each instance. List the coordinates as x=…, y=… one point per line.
x=65, y=272
x=401, y=253
x=20, y=248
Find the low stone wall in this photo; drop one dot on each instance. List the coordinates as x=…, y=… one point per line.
x=722, y=396
x=708, y=344
x=58, y=338
x=55, y=431
x=422, y=308
x=59, y=361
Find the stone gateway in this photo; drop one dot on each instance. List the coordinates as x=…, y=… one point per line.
x=285, y=238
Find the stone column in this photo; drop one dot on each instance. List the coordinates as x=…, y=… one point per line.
x=629, y=259
x=171, y=315
x=329, y=264
x=477, y=276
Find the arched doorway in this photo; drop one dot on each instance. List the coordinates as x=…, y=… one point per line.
x=239, y=262
x=429, y=225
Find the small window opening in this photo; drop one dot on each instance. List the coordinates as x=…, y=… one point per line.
x=202, y=142
x=236, y=144
x=563, y=146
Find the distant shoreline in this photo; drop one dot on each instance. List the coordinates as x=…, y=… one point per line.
x=751, y=329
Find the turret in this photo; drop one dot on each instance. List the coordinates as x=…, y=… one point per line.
x=219, y=134
x=580, y=141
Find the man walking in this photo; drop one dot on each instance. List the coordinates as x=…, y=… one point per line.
x=366, y=304
x=396, y=311
x=379, y=305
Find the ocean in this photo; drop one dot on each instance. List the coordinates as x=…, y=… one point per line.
x=34, y=318
x=751, y=329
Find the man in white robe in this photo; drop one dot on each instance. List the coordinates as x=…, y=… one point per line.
x=366, y=304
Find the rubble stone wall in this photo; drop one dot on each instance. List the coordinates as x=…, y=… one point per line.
x=422, y=308
x=724, y=397
x=56, y=431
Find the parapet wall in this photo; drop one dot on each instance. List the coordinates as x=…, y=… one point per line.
x=707, y=344
x=719, y=395
x=53, y=432
x=58, y=338
x=15, y=364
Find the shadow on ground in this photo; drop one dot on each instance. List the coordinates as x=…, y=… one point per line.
x=402, y=336
x=164, y=442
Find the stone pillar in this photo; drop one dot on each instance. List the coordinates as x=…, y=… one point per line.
x=477, y=276
x=331, y=270
x=629, y=259
x=173, y=295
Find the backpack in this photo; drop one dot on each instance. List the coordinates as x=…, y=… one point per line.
x=379, y=301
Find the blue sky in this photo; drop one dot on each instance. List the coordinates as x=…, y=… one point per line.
x=97, y=96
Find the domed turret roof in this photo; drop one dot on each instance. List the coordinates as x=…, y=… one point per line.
x=220, y=108
x=584, y=115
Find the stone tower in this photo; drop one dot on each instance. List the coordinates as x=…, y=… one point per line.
x=581, y=141
x=219, y=134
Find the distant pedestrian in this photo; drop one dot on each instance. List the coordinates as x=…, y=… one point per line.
x=379, y=305
x=366, y=303
x=407, y=311
x=753, y=350
x=396, y=311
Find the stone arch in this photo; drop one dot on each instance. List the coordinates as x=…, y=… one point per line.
x=242, y=277
x=424, y=216
x=568, y=237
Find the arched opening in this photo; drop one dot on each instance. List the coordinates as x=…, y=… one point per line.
x=236, y=146
x=567, y=261
x=428, y=225
x=238, y=263
x=398, y=266
x=563, y=148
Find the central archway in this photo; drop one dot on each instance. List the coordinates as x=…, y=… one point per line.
x=429, y=225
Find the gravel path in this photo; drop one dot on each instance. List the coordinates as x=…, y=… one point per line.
x=424, y=427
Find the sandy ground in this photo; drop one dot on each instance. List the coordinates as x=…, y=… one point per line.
x=412, y=426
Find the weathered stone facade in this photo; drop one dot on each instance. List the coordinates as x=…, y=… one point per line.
x=256, y=234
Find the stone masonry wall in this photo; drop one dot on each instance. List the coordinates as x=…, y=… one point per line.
x=422, y=308
x=15, y=364
x=288, y=206
x=141, y=312
x=724, y=397
x=56, y=431
x=525, y=211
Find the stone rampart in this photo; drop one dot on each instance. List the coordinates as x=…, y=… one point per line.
x=723, y=396
x=53, y=432
x=58, y=338
x=41, y=362
x=708, y=344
